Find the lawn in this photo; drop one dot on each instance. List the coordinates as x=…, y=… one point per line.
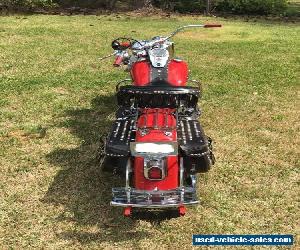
x=57, y=98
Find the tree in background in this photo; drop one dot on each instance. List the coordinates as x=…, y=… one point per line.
x=23, y=5
x=182, y=6
x=257, y=7
x=111, y=4
x=208, y=6
x=137, y=4
x=107, y=4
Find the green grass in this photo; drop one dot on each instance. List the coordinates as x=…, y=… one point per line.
x=57, y=98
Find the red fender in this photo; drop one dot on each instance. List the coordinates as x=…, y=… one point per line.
x=151, y=118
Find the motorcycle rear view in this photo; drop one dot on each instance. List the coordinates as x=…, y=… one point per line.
x=156, y=141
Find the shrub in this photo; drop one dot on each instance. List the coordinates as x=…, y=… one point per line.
x=189, y=6
x=251, y=6
x=234, y=6
x=182, y=6
x=84, y=3
x=26, y=4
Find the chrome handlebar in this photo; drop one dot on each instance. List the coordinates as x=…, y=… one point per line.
x=184, y=27
x=164, y=39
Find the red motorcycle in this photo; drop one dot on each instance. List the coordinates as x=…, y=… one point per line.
x=156, y=141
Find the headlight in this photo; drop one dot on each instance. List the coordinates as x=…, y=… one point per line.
x=157, y=148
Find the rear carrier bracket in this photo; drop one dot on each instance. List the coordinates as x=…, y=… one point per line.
x=155, y=198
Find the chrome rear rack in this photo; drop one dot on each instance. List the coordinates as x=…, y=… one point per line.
x=129, y=197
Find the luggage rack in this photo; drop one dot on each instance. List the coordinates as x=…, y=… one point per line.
x=125, y=197
x=166, y=112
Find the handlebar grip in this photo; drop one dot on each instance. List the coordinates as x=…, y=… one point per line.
x=118, y=61
x=212, y=25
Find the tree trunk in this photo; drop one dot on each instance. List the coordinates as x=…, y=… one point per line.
x=137, y=4
x=208, y=7
x=110, y=4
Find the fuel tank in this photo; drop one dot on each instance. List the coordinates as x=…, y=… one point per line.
x=175, y=73
x=156, y=125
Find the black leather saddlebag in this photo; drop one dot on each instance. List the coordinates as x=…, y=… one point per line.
x=195, y=147
x=118, y=141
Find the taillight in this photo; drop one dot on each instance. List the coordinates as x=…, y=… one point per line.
x=155, y=173
x=155, y=169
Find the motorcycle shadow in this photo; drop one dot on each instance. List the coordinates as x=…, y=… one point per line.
x=82, y=189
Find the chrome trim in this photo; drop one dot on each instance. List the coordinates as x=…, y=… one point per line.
x=166, y=119
x=181, y=179
x=144, y=131
x=116, y=204
x=182, y=28
x=181, y=172
x=194, y=180
x=161, y=165
x=154, y=198
x=168, y=133
x=128, y=171
x=110, y=55
x=159, y=56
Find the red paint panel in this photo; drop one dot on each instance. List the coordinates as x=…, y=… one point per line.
x=177, y=73
x=160, y=118
x=140, y=73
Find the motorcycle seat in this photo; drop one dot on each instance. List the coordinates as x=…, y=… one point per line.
x=158, y=96
x=164, y=88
